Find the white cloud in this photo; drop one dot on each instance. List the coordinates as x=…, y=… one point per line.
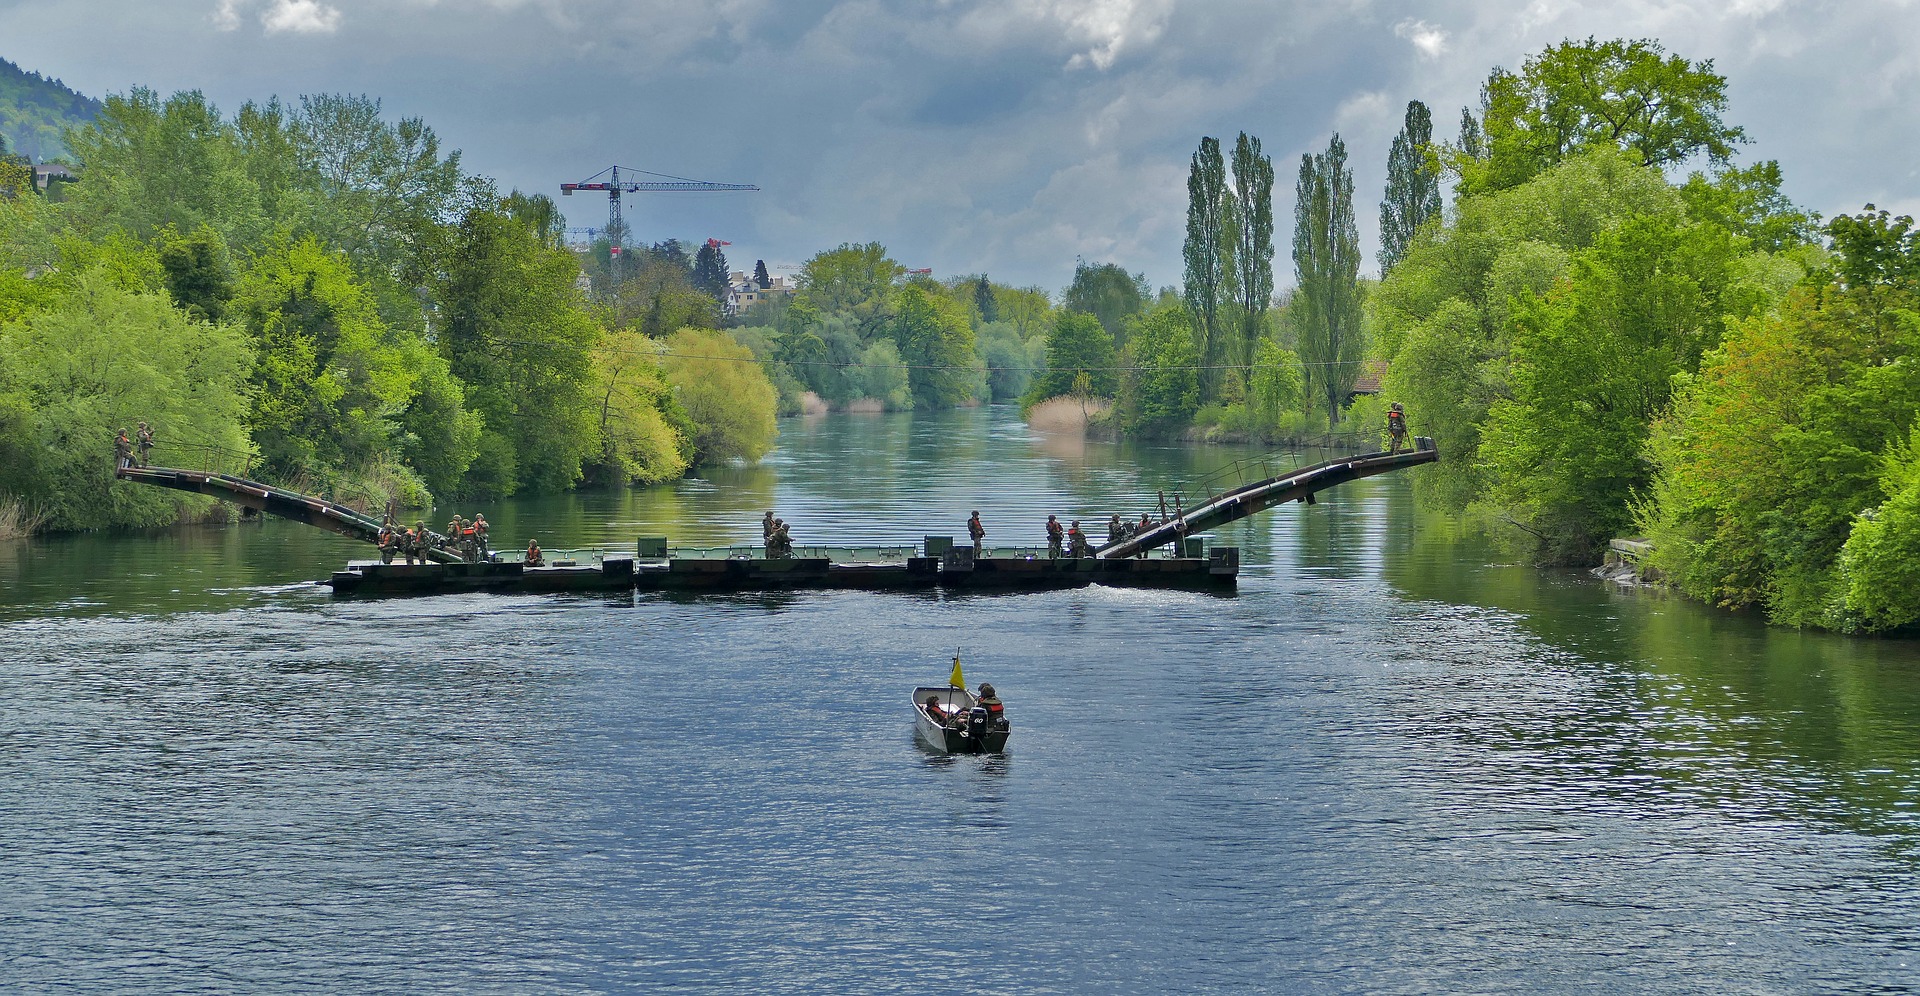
x=226, y=17
x=302, y=17
x=305, y=17
x=1430, y=39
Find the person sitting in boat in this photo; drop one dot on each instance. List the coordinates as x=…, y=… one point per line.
x=996, y=710
x=534, y=557
x=939, y=715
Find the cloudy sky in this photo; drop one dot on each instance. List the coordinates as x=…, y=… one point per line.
x=1004, y=136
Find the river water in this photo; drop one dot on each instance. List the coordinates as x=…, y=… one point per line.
x=1390, y=763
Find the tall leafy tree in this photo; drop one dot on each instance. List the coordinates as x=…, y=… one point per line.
x=1108, y=293
x=1584, y=94
x=1165, y=388
x=150, y=163
x=1079, y=352
x=856, y=280
x=1413, y=186
x=516, y=334
x=1251, y=237
x=936, y=342
x=1326, y=262
x=1205, y=257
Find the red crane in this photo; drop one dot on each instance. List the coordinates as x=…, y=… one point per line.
x=614, y=186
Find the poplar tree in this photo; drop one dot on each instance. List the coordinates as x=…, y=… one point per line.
x=1326, y=262
x=1205, y=257
x=1413, y=188
x=983, y=300
x=1250, y=242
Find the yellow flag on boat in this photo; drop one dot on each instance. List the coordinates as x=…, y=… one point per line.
x=958, y=680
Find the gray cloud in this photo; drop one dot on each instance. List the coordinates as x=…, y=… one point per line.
x=1005, y=136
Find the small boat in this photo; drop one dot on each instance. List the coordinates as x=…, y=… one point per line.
x=969, y=729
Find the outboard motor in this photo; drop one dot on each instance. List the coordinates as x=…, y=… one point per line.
x=977, y=726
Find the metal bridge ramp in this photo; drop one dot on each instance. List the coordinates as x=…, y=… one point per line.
x=1248, y=499
x=270, y=500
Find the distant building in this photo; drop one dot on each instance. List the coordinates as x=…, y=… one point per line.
x=47, y=174
x=743, y=292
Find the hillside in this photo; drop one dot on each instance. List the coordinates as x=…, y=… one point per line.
x=35, y=110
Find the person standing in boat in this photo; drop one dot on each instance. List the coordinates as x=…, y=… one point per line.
x=766, y=528
x=1077, y=542
x=1054, y=535
x=978, y=533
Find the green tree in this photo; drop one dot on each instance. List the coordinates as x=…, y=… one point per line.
x=1250, y=277
x=638, y=417
x=710, y=274
x=1078, y=348
x=517, y=336
x=1750, y=203
x=725, y=394
x=150, y=163
x=983, y=301
x=936, y=341
x=198, y=272
x=1326, y=260
x=1206, y=258
x=1614, y=94
x=1108, y=293
x=108, y=352
x=1413, y=186
x=1165, y=388
x=857, y=280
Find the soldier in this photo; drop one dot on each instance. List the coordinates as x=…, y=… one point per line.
x=122, y=451
x=534, y=557
x=766, y=527
x=146, y=442
x=1396, y=427
x=1146, y=523
x=1077, y=545
x=1115, y=531
x=782, y=541
x=480, y=533
x=422, y=542
x=978, y=532
x=1054, y=535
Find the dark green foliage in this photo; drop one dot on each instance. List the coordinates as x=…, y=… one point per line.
x=1108, y=293
x=983, y=301
x=1080, y=354
x=710, y=273
x=1249, y=239
x=36, y=111
x=1413, y=186
x=936, y=342
x=1206, y=259
x=1876, y=249
x=760, y=275
x=1164, y=388
x=1326, y=261
x=198, y=273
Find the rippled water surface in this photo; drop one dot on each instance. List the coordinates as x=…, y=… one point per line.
x=1388, y=764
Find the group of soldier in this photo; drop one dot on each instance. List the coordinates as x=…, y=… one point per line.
x=468, y=539
x=123, y=447
x=777, y=537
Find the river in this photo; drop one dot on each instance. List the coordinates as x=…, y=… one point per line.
x=1392, y=763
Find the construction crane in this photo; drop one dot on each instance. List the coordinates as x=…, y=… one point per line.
x=614, y=186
